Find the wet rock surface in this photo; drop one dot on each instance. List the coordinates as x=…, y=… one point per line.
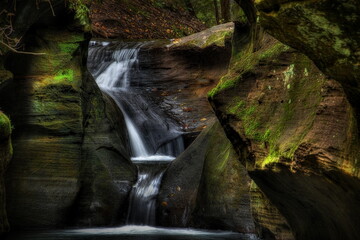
x=194, y=194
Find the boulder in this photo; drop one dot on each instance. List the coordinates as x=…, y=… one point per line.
x=207, y=187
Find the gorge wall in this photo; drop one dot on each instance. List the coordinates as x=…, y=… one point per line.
x=71, y=164
x=289, y=171
x=295, y=127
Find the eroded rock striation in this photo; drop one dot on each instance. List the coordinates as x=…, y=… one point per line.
x=71, y=164
x=326, y=31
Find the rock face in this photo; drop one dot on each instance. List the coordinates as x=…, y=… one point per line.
x=297, y=135
x=174, y=76
x=193, y=191
x=71, y=163
x=179, y=75
x=326, y=31
x=207, y=187
x=269, y=221
x=6, y=152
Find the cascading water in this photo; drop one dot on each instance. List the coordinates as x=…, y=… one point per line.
x=143, y=196
x=153, y=137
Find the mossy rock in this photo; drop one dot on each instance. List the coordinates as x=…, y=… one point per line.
x=327, y=31
x=275, y=97
x=5, y=126
x=218, y=36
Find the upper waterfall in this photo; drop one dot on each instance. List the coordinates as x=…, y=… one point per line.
x=152, y=135
x=118, y=72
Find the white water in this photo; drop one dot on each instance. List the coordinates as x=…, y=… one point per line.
x=118, y=73
x=137, y=145
x=131, y=232
x=143, y=198
x=115, y=76
x=112, y=67
x=159, y=158
x=148, y=230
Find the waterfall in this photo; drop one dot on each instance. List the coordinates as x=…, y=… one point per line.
x=143, y=196
x=151, y=134
x=154, y=138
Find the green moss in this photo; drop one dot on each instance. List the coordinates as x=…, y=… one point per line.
x=224, y=83
x=68, y=48
x=213, y=37
x=301, y=91
x=5, y=126
x=272, y=157
x=218, y=38
x=304, y=95
x=67, y=74
x=273, y=51
x=245, y=62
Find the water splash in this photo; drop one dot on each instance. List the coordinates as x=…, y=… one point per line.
x=143, y=197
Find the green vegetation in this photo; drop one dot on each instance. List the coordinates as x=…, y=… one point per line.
x=250, y=120
x=219, y=38
x=245, y=62
x=5, y=126
x=224, y=83
x=270, y=125
x=66, y=74
x=81, y=12
x=68, y=48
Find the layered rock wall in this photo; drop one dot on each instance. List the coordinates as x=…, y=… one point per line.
x=296, y=132
x=71, y=164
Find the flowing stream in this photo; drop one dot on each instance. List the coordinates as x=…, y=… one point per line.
x=154, y=138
